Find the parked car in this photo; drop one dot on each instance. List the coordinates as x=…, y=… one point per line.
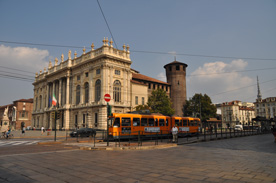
x=83, y=132
x=238, y=128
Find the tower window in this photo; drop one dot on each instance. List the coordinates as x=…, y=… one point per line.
x=177, y=68
x=170, y=68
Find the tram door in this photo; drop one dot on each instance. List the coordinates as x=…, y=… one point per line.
x=126, y=126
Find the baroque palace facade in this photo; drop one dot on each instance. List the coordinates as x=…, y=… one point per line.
x=80, y=83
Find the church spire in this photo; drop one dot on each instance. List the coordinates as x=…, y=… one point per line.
x=259, y=96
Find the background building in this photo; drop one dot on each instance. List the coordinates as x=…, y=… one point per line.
x=19, y=113
x=237, y=112
x=80, y=83
x=266, y=108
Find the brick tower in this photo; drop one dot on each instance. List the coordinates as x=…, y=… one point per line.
x=176, y=76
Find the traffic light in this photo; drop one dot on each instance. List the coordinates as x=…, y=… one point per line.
x=58, y=115
x=108, y=110
x=53, y=115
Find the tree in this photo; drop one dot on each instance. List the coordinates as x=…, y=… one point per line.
x=142, y=107
x=159, y=102
x=200, y=105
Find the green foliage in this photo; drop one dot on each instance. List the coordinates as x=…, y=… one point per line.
x=159, y=102
x=142, y=107
x=200, y=103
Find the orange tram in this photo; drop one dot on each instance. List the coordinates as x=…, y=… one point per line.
x=130, y=125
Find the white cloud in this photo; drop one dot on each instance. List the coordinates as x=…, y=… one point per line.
x=210, y=80
x=162, y=77
x=25, y=58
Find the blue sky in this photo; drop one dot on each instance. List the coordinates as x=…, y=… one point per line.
x=238, y=29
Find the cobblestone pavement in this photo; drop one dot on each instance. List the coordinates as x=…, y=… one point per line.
x=246, y=159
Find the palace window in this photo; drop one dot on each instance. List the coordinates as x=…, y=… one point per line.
x=136, y=100
x=143, y=100
x=117, y=72
x=78, y=77
x=117, y=91
x=98, y=90
x=86, y=95
x=78, y=95
x=40, y=102
x=98, y=71
x=86, y=74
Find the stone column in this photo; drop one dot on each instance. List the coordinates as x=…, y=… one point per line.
x=59, y=92
x=54, y=88
x=91, y=91
x=67, y=90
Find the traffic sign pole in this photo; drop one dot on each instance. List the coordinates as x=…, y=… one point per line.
x=107, y=98
x=107, y=131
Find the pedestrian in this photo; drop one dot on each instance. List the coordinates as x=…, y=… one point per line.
x=42, y=130
x=8, y=133
x=174, y=133
x=23, y=130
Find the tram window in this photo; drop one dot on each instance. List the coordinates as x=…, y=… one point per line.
x=177, y=122
x=156, y=122
x=151, y=121
x=161, y=122
x=180, y=122
x=144, y=122
x=136, y=121
x=126, y=122
x=191, y=123
x=185, y=122
x=195, y=123
x=188, y=122
x=117, y=122
x=167, y=122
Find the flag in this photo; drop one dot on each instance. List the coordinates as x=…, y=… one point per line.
x=54, y=101
x=50, y=101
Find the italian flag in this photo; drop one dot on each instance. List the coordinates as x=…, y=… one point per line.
x=54, y=101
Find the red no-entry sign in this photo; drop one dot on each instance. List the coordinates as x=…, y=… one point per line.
x=107, y=97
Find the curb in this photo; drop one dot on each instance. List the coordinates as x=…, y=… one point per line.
x=49, y=143
x=129, y=148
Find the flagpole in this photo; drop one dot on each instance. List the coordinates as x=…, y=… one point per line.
x=56, y=125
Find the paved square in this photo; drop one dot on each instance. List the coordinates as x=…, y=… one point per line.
x=245, y=159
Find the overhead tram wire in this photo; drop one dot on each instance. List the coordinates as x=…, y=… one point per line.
x=16, y=69
x=149, y=52
x=16, y=77
x=107, y=24
x=242, y=87
x=27, y=76
x=272, y=68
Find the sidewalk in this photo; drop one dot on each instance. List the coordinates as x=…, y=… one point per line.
x=37, y=134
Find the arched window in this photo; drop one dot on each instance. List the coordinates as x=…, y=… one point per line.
x=40, y=102
x=117, y=91
x=98, y=90
x=36, y=103
x=78, y=95
x=86, y=90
